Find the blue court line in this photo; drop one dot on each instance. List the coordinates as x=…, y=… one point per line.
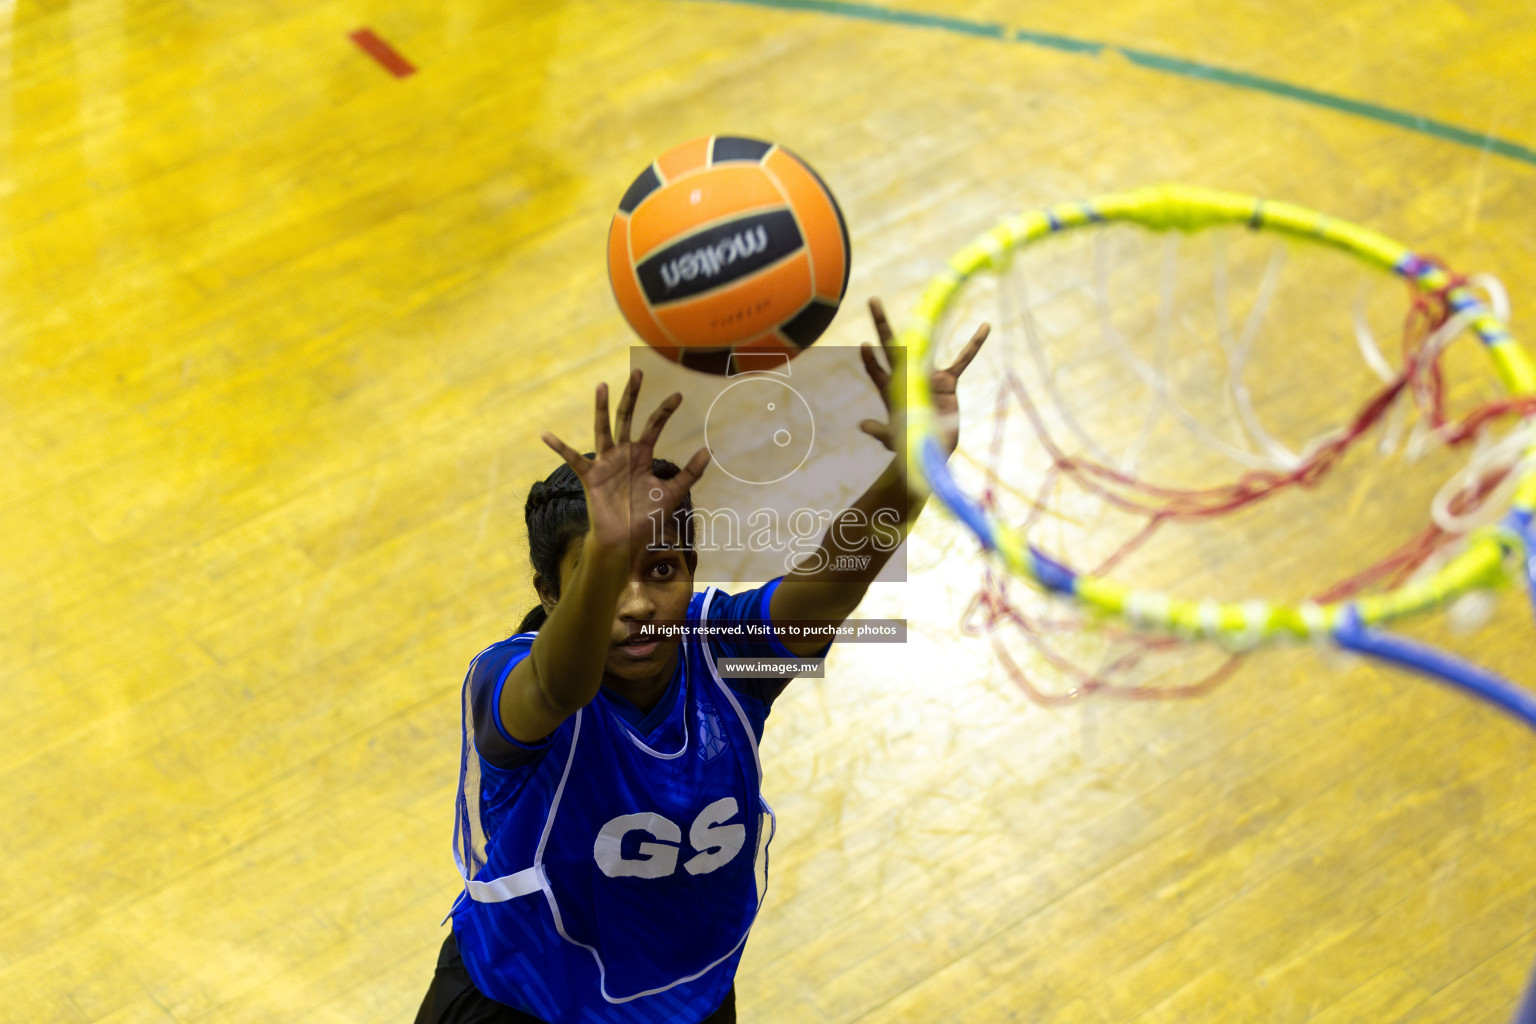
x=1158, y=62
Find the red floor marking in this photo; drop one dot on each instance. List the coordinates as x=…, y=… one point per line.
x=382, y=52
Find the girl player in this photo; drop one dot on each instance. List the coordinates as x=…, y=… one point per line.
x=610, y=826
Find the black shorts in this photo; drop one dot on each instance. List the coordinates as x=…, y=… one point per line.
x=453, y=998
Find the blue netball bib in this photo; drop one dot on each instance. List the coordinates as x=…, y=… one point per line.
x=624, y=885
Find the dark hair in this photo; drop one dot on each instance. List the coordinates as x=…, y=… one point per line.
x=556, y=514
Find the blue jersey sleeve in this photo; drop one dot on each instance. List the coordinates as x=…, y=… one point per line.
x=487, y=675
x=752, y=606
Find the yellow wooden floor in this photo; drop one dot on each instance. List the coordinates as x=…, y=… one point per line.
x=279, y=332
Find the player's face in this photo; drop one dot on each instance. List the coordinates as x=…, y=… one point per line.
x=659, y=589
x=660, y=586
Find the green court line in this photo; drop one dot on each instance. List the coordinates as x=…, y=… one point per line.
x=872, y=12
x=1158, y=62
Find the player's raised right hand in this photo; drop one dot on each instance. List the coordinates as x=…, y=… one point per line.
x=624, y=496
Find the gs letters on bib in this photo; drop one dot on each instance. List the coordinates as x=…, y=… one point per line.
x=716, y=842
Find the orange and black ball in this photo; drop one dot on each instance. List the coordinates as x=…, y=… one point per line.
x=728, y=245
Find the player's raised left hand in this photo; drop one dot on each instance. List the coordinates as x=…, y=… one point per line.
x=942, y=383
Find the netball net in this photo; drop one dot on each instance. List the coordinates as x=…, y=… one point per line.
x=1194, y=392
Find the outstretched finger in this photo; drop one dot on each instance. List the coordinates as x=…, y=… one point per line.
x=689, y=474
x=627, y=406
x=578, y=463
x=969, y=352
x=882, y=325
x=659, y=418
x=879, y=431
x=877, y=373
x=602, y=437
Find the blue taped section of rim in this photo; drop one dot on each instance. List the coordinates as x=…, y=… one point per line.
x=1430, y=661
x=1520, y=520
x=1414, y=266
x=946, y=490
x=1052, y=574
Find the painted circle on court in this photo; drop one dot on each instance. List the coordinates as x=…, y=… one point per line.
x=759, y=430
